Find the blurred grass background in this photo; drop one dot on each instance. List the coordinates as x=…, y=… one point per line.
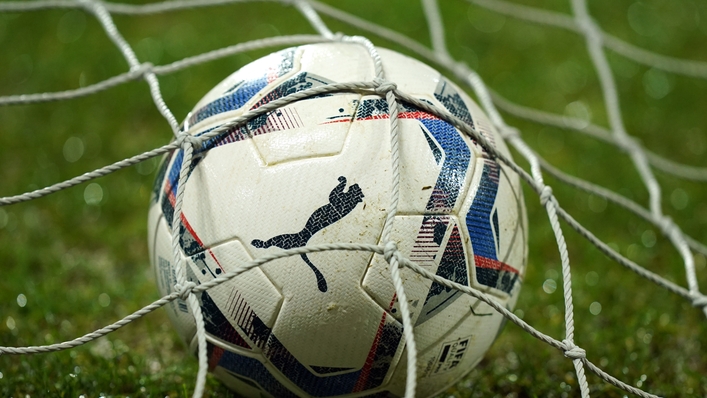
x=77, y=260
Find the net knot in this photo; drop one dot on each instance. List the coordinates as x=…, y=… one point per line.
x=667, y=225
x=141, y=69
x=184, y=290
x=389, y=250
x=384, y=86
x=573, y=351
x=545, y=195
x=590, y=29
x=699, y=300
x=185, y=137
x=628, y=143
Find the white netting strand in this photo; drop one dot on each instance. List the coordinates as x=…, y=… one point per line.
x=581, y=23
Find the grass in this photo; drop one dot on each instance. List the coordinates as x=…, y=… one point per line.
x=77, y=260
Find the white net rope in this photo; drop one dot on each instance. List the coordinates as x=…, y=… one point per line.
x=597, y=41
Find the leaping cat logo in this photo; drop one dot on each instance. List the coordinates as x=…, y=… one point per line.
x=340, y=204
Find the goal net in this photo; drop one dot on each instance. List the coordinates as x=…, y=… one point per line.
x=609, y=139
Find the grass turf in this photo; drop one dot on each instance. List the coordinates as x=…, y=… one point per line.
x=77, y=260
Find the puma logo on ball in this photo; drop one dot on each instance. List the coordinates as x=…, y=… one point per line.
x=340, y=204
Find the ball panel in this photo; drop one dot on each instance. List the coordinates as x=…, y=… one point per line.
x=279, y=367
x=247, y=375
x=305, y=130
x=436, y=160
x=495, y=230
x=410, y=75
x=450, y=348
x=436, y=247
x=339, y=323
x=236, y=312
x=339, y=62
x=381, y=356
x=246, y=386
x=466, y=323
x=421, y=161
x=452, y=157
x=245, y=86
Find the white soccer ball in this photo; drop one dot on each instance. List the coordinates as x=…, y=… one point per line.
x=319, y=171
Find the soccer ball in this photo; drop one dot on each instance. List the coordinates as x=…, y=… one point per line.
x=319, y=171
